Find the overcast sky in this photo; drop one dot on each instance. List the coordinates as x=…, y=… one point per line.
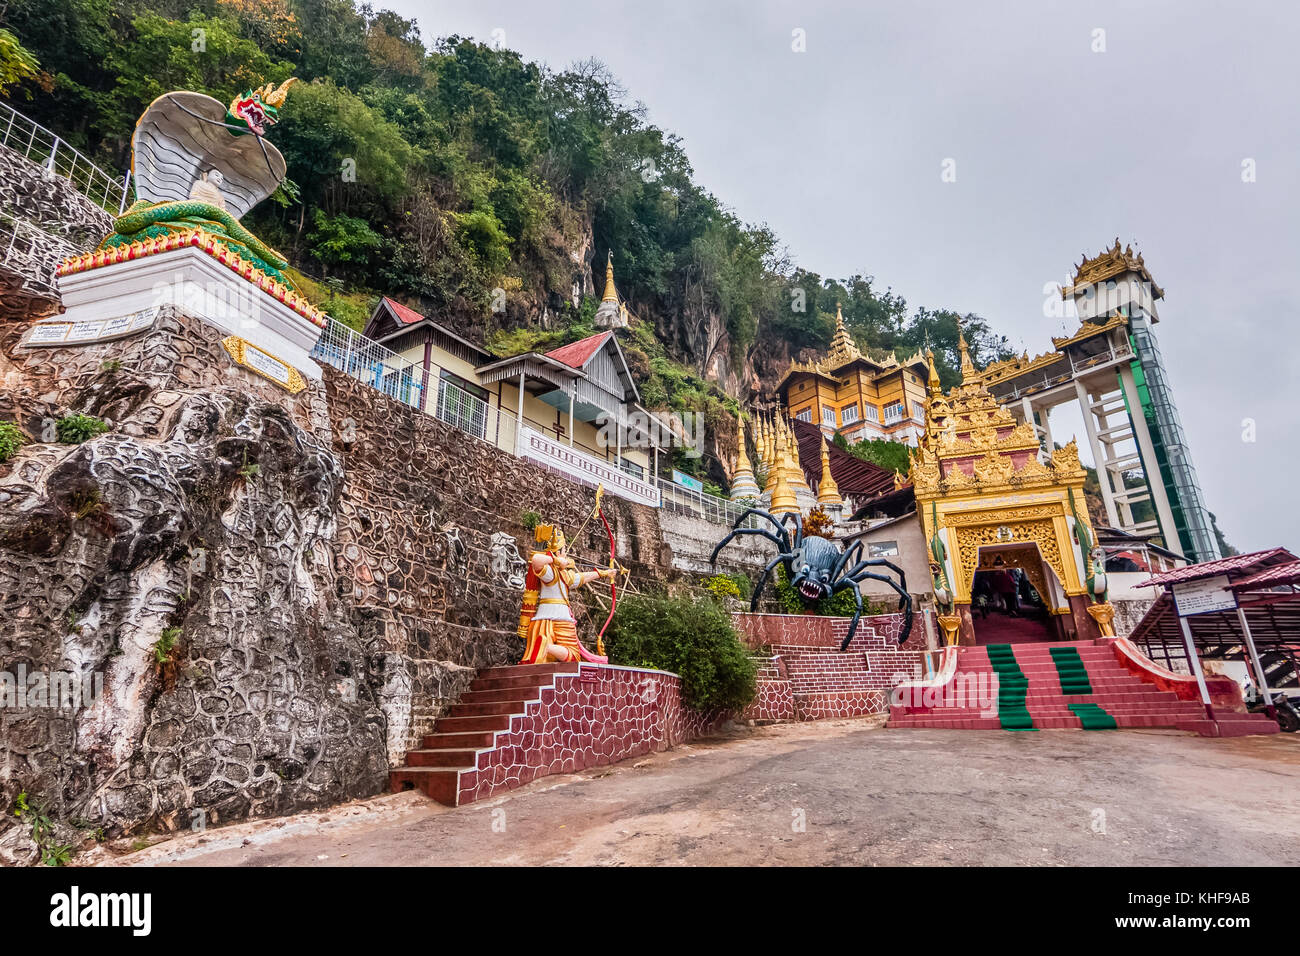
x=1058, y=149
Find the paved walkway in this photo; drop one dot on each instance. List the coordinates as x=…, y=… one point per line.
x=834, y=792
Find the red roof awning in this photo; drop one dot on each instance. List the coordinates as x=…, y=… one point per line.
x=404, y=315
x=1237, y=565
x=578, y=354
x=1276, y=576
x=855, y=477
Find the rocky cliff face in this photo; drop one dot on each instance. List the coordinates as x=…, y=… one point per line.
x=184, y=560
x=277, y=594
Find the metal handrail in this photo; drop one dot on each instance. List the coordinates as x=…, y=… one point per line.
x=34, y=142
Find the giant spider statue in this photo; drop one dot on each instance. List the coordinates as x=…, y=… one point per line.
x=816, y=568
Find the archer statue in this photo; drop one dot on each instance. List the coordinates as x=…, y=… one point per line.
x=546, y=622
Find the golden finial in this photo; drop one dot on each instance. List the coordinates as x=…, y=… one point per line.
x=968, y=370
x=797, y=479
x=610, y=295
x=828, y=493
x=783, y=498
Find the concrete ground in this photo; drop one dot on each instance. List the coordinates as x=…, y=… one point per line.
x=829, y=793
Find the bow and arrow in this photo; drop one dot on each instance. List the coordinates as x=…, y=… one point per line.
x=614, y=564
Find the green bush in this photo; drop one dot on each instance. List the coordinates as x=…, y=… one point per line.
x=75, y=429
x=722, y=585
x=11, y=439
x=692, y=638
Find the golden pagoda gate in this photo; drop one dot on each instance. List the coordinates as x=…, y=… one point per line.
x=990, y=498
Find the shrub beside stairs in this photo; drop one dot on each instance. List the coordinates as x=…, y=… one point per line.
x=1067, y=684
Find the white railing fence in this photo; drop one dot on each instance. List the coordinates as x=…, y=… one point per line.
x=701, y=504
x=370, y=363
x=34, y=142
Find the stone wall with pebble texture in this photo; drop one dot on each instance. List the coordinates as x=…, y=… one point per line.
x=335, y=566
x=43, y=219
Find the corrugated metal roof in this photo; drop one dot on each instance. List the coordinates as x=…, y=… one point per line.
x=1237, y=564
x=1288, y=573
x=854, y=476
x=404, y=315
x=578, y=354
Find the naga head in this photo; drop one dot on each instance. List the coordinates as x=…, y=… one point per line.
x=258, y=110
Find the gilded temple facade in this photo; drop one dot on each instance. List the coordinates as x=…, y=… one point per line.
x=991, y=498
x=1111, y=366
x=852, y=394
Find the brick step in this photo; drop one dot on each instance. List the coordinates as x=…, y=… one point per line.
x=454, y=741
x=1050, y=710
x=438, y=783
x=1021, y=653
x=529, y=670
x=453, y=725
x=488, y=709
x=1045, y=667
x=442, y=757
x=1137, y=697
x=1240, y=725
x=526, y=683
x=520, y=696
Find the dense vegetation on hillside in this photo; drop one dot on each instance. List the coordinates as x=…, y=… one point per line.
x=442, y=173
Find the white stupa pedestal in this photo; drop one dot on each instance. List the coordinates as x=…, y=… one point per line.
x=202, y=285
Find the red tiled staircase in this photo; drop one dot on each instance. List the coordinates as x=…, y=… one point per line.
x=496, y=695
x=1130, y=700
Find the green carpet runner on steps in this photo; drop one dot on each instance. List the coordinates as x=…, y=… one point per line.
x=1093, y=717
x=1074, y=680
x=1070, y=669
x=1012, y=685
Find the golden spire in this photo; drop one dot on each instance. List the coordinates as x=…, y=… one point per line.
x=843, y=348
x=742, y=481
x=767, y=451
x=828, y=493
x=769, y=435
x=968, y=370
x=934, y=387
x=610, y=295
x=783, y=499
x=798, y=480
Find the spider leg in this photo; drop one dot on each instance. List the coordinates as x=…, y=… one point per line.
x=875, y=563
x=904, y=600
x=857, y=610
x=780, y=545
x=780, y=525
x=762, y=581
x=844, y=559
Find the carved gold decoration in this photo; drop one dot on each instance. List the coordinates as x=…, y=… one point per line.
x=1065, y=461
x=1111, y=263
x=263, y=363
x=949, y=624
x=970, y=539
x=1103, y=614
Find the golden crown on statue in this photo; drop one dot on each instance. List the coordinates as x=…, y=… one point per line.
x=549, y=536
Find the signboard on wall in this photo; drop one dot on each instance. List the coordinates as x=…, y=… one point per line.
x=686, y=481
x=50, y=333
x=1204, y=597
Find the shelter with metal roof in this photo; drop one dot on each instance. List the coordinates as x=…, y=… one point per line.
x=1245, y=607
